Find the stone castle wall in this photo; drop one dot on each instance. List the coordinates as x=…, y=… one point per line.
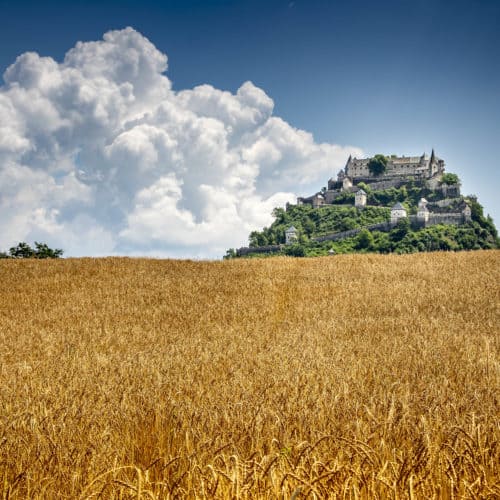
x=266, y=249
x=444, y=203
x=450, y=218
x=387, y=183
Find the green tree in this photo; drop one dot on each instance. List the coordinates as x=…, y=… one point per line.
x=365, y=187
x=22, y=251
x=450, y=179
x=42, y=251
x=365, y=240
x=309, y=227
x=401, y=230
x=258, y=239
x=280, y=215
x=377, y=165
x=295, y=250
x=230, y=254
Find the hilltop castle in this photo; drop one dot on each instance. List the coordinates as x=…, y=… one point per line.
x=399, y=170
x=357, y=186
x=422, y=167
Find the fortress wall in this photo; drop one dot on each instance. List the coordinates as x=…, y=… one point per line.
x=330, y=196
x=266, y=249
x=451, y=218
x=338, y=236
x=386, y=184
x=381, y=226
x=443, y=203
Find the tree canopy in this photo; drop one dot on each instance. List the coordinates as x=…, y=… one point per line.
x=450, y=179
x=24, y=251
x=377, y=165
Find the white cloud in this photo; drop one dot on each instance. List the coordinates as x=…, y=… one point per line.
x=98, y=155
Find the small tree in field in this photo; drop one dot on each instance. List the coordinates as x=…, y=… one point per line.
x=41, y=251
x=377, y=165
x=22, y=251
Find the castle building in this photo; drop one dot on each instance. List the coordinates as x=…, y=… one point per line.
x=291, y=235
x=422, y=211
x=467, y=213
x=397, y=166
x=346, y=183
x=398, y=212
x=318, y=200
x=423, y=170
x=360, y=199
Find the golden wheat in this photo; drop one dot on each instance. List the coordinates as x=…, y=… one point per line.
x=342, y=377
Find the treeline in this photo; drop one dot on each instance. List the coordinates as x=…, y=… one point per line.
x=24, y=251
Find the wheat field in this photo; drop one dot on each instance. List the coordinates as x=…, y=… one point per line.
x=356, y=376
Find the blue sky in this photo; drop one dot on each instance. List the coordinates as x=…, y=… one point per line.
x=389, y=76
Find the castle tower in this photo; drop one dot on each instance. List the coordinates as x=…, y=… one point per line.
x=467, y=212
x=346, y=184
x=397, y=212
x=291, y=235
x=348, y=165
x=318, y=200
x=422, y=211
x=360, y=199
x=434, y=164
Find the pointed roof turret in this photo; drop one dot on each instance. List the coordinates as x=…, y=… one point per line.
x=348, y=160
x=398, y=206
x=433, y=156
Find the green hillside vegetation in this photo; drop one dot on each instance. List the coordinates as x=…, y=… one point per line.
x=479, y=233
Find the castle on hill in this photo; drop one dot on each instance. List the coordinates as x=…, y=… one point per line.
x=422, y=167
x=399, y=170
x=447, y=206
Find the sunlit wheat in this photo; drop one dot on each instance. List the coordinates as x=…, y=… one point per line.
x=356, y=376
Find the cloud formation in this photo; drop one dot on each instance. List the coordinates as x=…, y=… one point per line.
x=99, y=156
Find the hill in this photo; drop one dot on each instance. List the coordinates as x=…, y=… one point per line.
x=343, y=227
x=360, y=376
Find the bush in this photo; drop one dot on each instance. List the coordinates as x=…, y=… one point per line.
x=365, y=240
x=295, y=251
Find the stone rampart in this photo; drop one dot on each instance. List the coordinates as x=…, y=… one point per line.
x=265, y=249
x=444, y=203
x=387, y=183
x=450, y=218
x=337, y=236
x=380, y=226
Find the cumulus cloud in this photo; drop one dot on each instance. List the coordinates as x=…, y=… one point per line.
x=100, y=156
